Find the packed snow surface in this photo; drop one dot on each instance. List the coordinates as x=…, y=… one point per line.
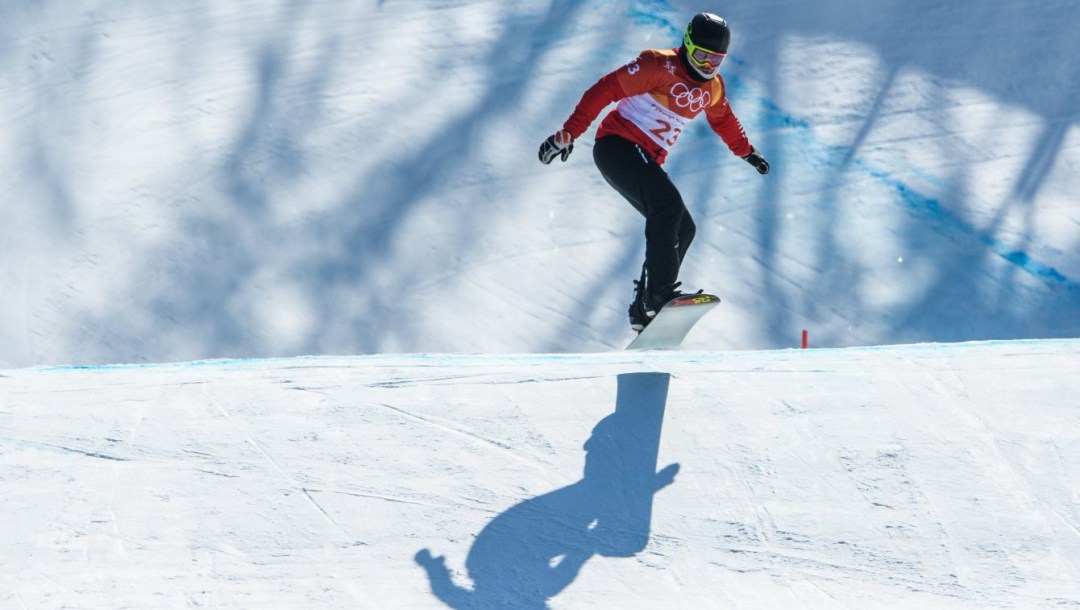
x=902, y=477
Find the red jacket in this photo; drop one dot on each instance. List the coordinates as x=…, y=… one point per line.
x=657, y=98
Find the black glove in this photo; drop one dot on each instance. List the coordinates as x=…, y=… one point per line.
x=758, y=161
x=559, y=143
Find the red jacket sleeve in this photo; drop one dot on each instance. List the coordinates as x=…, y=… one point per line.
x=606, y=91
x=727, y=125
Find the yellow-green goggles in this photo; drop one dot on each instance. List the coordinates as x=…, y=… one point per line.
x=702, y=57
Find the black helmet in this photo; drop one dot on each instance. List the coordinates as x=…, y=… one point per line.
x=706, y=43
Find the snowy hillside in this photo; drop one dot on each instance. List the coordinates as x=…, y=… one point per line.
x=904, y=477
x=187, y=180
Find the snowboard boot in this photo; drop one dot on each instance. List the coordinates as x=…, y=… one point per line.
x=648, y=303
x=639, y=317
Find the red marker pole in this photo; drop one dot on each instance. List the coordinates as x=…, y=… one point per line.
x=805, y=339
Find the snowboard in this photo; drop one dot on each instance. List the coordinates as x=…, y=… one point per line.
x=674, y=321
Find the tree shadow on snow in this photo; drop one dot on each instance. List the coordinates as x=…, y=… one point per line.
x=533, y=551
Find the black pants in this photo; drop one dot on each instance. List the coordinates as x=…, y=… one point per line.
x=668, y=226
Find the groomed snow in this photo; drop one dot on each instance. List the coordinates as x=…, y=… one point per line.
x=923, y=476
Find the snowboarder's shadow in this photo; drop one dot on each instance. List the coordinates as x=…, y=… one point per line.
x=530, y=553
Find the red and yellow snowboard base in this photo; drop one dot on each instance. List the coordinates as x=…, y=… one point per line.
x=674, y=321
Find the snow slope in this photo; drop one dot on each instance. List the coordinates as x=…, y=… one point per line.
x=933, y=476
x=262, y=179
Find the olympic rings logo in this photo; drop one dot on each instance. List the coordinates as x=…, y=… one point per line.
x=694, y=99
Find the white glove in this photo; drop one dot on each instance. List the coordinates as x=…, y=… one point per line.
x=560, y=143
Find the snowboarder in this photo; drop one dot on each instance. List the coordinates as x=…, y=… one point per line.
x=658, y=93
